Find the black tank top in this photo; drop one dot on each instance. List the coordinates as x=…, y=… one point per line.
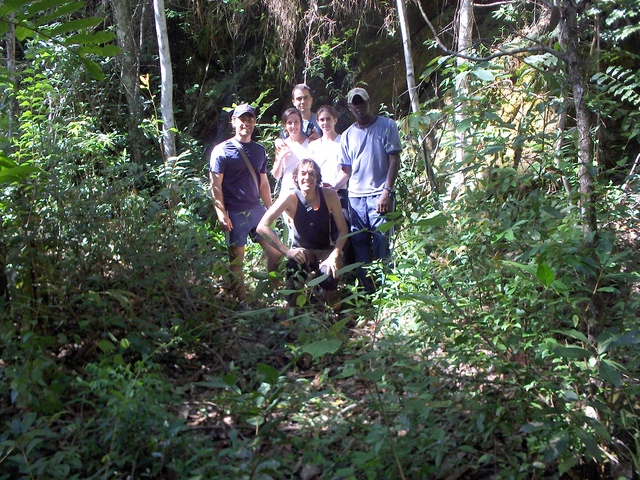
x=312, y=228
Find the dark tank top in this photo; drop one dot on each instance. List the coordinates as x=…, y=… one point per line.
x=312, y=228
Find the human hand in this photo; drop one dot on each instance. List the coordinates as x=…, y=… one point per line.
x=225, y=222
x=385, y=203
x=331, y=264
x=297, y=254
x=282, y=152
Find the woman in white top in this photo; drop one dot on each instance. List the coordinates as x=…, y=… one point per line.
x=289, y=151
x=328, y=155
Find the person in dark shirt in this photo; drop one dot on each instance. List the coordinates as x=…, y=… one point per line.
x=311, y=206
x=238, y=178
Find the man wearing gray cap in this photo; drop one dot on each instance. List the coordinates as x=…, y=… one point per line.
x=238, y=177
x=371, y=146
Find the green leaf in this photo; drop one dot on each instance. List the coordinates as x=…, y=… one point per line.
x=93, y=68
x=609, y=373
x=483, y=74
x=557, y=446
x=23, y=33
x=621, y=340
x=554, y=212
x=318, y=280
x=350, y=267
x=6, y=162
x=323, y=347
x=67, y=9
x=434, y=219
x=375, y=375
x=89, y=38
x=106, y=346
x=545, y=274
x=385, y=227
x=604, y=248
x=573, y=352
x=521, y=267
x=590, y=443
x=17, y=174
x=74, y=25
x=464, y=125
x=270, y=373
x=573, y=333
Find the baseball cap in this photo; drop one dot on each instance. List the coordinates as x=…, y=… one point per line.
x=360, y=92
x=242, y=109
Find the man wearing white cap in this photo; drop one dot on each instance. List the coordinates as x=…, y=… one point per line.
x=238, y=177
x=371, y=146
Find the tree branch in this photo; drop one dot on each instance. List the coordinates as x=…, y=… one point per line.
x=501, y=53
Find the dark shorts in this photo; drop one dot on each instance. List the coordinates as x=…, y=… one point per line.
x=244, y=225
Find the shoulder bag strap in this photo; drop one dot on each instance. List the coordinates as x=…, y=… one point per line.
x=303, y=200
x=243, y=154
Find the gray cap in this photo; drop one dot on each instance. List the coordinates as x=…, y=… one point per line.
x=242, y=109
x=360, y=92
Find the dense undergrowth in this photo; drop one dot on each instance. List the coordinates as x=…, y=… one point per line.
x=500, y=346
x=487, y=354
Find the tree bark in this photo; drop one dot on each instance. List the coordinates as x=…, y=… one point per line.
x=408, y=55
x=465, y=24
x=129, y=72
x=575, y=65
x=166, y=80
x=11, y=71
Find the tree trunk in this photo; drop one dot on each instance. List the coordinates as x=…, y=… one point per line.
x=465, y=25
x=11, y=71
x=575, y=63
x=408, y=56
x=166, y=87
x=129, y=72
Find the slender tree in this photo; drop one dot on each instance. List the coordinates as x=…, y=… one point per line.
x=129, y=71
x=464, y=43
x=408, y=55
x=166, y=79
x=575, y=63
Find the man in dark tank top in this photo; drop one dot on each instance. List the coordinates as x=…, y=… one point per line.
x=312, y=207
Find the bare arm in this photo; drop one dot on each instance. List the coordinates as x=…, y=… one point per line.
x=343, y=176
x=215, y=180
x=287, y=203
x=265, y=190
x=333, y=203
x=282, y=150
x=386, y=200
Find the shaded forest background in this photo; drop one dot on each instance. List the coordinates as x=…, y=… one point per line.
x=504, y=341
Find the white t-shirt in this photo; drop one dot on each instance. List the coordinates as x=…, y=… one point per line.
x=328, y=155
x=297, y=152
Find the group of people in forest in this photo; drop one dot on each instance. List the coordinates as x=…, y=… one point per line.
x=330, y=184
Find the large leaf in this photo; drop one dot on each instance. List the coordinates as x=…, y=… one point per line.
x=483, y=74
x=545, y=274
x=318, y=349
x=62, y=11
x=16, y=174
x=89, y=38
x=434, y=219
x=93, y=68
x=609, y=373
x=270, y=373
x=573, y=352
x=75, y=25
